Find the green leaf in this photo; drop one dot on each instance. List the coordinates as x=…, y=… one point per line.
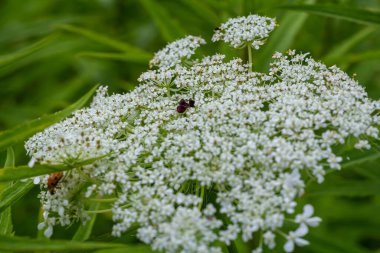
x=15, y=56
x=339, y=12
x=10, y=160
x=84, y=231
x=128, y=57
x=102, y=39
x=22, y=172
x=281, y=39
x=17, y=244
x=168, y=26
x=13, y=193
x=27, y=129
x=6, y=227
x=341, y=50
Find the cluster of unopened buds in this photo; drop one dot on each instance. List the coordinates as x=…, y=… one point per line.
x=207, y=151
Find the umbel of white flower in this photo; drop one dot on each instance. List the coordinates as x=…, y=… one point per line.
x=207, y=151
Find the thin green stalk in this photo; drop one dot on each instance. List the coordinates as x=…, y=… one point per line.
x=250, y=57
x=202, y=196
x=102, y=200
x=105, y=210
x=232, y=247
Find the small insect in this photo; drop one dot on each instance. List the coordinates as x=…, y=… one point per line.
x=183, y=105
x=53, y=180
x=217, y=29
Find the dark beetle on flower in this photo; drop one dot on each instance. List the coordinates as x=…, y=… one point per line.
x=183, y=105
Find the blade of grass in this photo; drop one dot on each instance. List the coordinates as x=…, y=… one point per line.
x=55, y=52
x=13, y=193
x=368, y=55
x=281, y=39
x=346, y=188
x=84, y=231
x=17, y=244
x=203, y=10
x=341, y=50
x=352, y=164
x=22, y=172
x=339, y=12
x=136, y=58
x=27, y=129
x=102, y=39
x=169, y=27
x=361, y=160
x=10, y=160
x=15, y=56
x=6, y=227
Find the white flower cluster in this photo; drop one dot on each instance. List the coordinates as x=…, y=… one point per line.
x=174, y=52
x=206, y=153
x=250, y=30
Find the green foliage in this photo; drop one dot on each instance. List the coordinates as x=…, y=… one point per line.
x=13, y=193
x=169, y=27
x=27, y=129
x=18, y=244
x=282, y=38
x=336, y=11
x=23, y=172
x=84, y=232
x=51, y=52
x=6, y=227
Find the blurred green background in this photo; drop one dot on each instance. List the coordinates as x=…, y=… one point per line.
x=52, y=52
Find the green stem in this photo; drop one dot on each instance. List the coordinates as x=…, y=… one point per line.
x=249, y=58
x=168, y=90
x=104, y=210
x=202, y=196
x=232, y=247
x=102, y=200
x=183, y=186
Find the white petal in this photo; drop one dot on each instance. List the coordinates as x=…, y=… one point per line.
x=31, y=162
x=36, y=180
x=289, y=246
x=48, y=232
x=61, y=211
x=41, y=226
x=314, y=221
x=299, y=218
x=301, y=231
x=257, y=250
x=301, y=242
x=308, y=210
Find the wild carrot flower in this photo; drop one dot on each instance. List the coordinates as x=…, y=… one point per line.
x=250, y=30
x=173, y=53
x=229, y=165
